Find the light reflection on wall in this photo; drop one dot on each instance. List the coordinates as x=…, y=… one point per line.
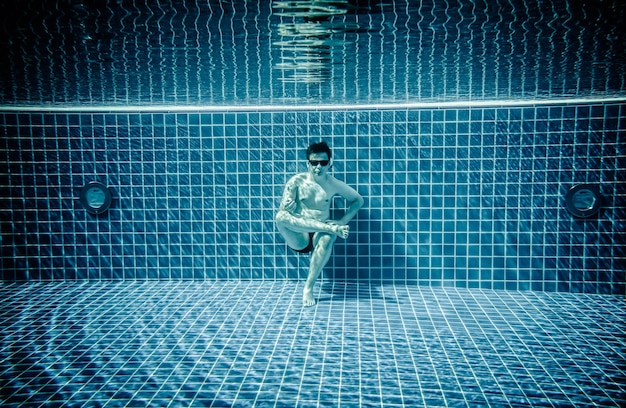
x=309, y=33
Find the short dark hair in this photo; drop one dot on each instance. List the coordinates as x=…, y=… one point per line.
x=321, y=147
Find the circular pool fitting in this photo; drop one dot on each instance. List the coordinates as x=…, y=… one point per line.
x=583, y=200
x=95, y=197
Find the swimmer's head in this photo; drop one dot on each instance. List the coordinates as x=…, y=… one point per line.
x=321, y=147
x=319, y=159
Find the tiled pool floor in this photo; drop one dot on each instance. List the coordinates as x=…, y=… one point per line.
x=250, y=343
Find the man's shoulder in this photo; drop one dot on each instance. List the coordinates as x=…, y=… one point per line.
x=298, y=178
x=336, y=182
x=341, y=188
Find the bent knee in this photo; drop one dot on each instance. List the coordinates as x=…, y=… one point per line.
x=325, y=239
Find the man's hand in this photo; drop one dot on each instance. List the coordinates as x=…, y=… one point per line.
x=342, y=231
x=289, y=205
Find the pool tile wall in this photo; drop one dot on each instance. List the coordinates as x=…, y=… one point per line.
x=469, y=197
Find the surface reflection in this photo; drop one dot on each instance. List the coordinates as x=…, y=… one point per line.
x=310, y=32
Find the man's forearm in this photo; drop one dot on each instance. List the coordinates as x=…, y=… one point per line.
x=301, y=224
x=352, y=210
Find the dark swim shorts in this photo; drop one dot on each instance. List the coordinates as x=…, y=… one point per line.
x=309, y=247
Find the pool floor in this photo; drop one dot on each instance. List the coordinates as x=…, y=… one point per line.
x=251, y=343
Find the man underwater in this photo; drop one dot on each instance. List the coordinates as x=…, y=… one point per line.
x=303, y=217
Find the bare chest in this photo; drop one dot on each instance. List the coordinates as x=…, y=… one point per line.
x=316, y=196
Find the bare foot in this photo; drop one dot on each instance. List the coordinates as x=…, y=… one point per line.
x=308, y=299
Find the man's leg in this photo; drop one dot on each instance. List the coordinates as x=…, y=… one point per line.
x=296, y=230
x=300, y=224
x=319, y=258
